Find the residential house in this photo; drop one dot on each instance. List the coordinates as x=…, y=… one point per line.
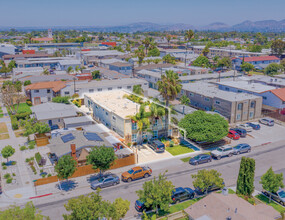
x=236, y=107
x=42, y=92
x=124, y=68
x=54, y=113
x=7, y=49
x=259, y=62
x=75, y=122
x=25, y=56
x=217, y=206
x=114, y=110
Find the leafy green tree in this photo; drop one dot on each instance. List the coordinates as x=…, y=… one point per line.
x=137, y=89
x=245, y=181
x=41, y=127
x=77, y=69
x=101, y=158
x=168, y=38
x=69, y=69
x=201, y=61
x=27, y=82
x=184, y=100
x=7, y=152
x=247, y=67
x=224, y=62
x=278, y=47
x=140, y=54
x=203, y=127
x=205, y=51
x=273, y=69
x=92, y=206
x=12, y=65
x=271, y=181
x=254, y=48
x=206, y=178
x=28, y=212
x=96, y=74
x=153, y=52
x=46, y=72
x=169, y=59
x=169, y=87
x=157, y=193
x=156, y=61
x=61, y=99
x=65, y=167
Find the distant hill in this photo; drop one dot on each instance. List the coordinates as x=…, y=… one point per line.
x=257, y=26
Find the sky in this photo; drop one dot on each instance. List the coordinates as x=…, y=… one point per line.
x=49, y=13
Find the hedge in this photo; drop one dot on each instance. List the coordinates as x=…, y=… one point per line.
x=38, y=157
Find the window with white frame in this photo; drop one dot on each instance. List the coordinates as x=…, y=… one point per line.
x=134, y=137
x=251, y=114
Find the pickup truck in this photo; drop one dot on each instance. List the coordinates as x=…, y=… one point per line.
x=222, y=152
x=136, y=173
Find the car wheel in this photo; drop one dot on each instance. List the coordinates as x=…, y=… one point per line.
x=146, y=175
x=238, y=153
x=209, y=160
x=192, y=196
x=219, y=157
x=129, y=180
x=196, y=163
x=248, y=150
x=282, y=203
x=177, y=201
x=230, y=155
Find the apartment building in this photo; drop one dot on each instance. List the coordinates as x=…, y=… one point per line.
x=236, y=107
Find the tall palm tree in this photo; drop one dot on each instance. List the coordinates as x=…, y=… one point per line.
x=77, y=69
x=189, y=35
x=46, y=72
x=169, y=87
x=157, y=112
x=146, y=43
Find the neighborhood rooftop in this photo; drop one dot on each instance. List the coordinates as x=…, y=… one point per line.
x=248, y=86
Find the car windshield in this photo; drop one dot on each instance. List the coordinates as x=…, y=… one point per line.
x=100, y=180
x=281, y=194
x=131, y=171
x=219, y=149
x=197, y=157
x=237, y=147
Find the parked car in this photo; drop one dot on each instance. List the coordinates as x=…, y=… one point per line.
x=53, y=158
x=136, y=173
x=279, y=196
x=212, y=188
x=180, y=194
x=267, y=121
x=245, y=127
x=105, y=181
x=201, y=158
x=233, y=135
x=254, y=125
x=157, y=146
x=140, y=206
x=222, y=152
x=242, y=148
x=240, y=131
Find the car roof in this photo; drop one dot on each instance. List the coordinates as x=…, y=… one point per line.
x=202, y=155
x=179, y=189
x=136, y=168
x=224, y=147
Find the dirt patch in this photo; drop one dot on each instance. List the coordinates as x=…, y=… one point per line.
x=3, y=128
x=4, y=136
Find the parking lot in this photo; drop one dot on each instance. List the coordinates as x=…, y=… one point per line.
x=266, y=134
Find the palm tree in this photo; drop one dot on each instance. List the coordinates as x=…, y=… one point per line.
x=168, y=38
x=157, y=112
x=189, y=35
x=184, y=100
x=142, y=120
x=69, y=69
x=169, y=87
x=77, y=69
x=46, y=71
x=146, y=43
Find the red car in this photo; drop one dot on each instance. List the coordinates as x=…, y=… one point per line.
x=233, y=135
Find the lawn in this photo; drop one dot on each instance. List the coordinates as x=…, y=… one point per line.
x=1, y=115
x=265, y=200
x=179, y=149
x=4, y=136
x=3, y=128
x=256, y=73
x=23, y=108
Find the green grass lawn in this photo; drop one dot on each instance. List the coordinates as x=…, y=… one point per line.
x=276, y=206
x=1, y=115
x=179, y=149
x=255, y=73
x=23, y=108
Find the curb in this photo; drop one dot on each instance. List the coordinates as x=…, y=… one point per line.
x=35, y=197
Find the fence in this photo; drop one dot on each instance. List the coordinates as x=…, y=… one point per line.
x=87, y=169
x=41, y=140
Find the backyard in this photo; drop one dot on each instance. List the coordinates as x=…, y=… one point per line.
x=23, y=108
x=179, y=149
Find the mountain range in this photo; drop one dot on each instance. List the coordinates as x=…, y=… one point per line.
x=253, y=26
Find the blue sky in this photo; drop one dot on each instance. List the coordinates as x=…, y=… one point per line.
x=116, y=12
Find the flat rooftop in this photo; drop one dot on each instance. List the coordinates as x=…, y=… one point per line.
x=248, y=86
x=114, y=101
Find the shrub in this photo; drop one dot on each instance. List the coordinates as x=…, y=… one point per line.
x=22, y=116
x=7, y=175
x=33, y=168
x=22, y=148
x=251, y=201
x=44, y=175
x=29, y=103
x=15, y=125
x=9, y=180
x=31, y=146
x=4, y=168
x=38, y=157
x=14, y=162
x=13, y=174
x=49, y=175
x=27, y=160
x=32, y=158
x=31, y=163
x=41, y=170
x=27, y=82
x=3, y=164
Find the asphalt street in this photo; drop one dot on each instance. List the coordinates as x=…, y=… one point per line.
x=179, y=173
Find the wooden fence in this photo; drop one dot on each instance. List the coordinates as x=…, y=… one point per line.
x=87, y=169
x=41, y=140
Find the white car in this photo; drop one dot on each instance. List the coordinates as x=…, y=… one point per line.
x=245, y=127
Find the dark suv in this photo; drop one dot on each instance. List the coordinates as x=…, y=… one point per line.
x=240, y=131
x=181, y=194
x=212, y=188
x=157, y=146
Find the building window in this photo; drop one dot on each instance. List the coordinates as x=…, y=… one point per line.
x=114, y=118
x=283, y=102
x=129, y=87
x=207, y=99
x=134, y=126
x=252, y=104
x=107, y=113
x=134, y=137
x=77, y=90
x=227, y=89
x=49, y=99
x=99, y=90
x=239, y=91
x=37, y=91
x=264, y=97
x=110, y=88
x=240, y=106
x=155, y=134
x=66, y=93
x=218, y=102
x=155, y=122
x=91, y=90
x=238, y=116
x=251, y=115
x=48, y=90
x=120, y=87
x=192, y=94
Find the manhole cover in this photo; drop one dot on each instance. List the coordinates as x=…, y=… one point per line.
x=18, y=196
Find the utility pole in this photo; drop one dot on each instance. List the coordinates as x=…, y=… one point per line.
x=186, y=52
x=74, y=85
x=133, y=70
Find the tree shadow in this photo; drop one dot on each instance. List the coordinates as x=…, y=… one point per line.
x=96, y=176
x=67, y=185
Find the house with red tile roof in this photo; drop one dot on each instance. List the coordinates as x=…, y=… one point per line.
x=276, y=98
x=259, y=62
x=42, y=92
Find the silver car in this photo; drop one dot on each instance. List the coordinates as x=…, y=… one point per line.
x=105, y=181
x=245, y=127
x=267, y=121
x=222, y=152
x=279, y=196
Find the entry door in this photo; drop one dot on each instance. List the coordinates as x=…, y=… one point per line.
x=37, y=100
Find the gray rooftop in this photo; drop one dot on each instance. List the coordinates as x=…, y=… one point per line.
x=212, y=91
x=75, y=120
x=48, y=78
x=50, y=110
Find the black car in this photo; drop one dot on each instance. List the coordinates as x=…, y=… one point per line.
x=140, y=206
x=180, y=194
x=157, y=146
x=201, y=158
x=212, y=188
x=240, y=131
x=242, y=148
